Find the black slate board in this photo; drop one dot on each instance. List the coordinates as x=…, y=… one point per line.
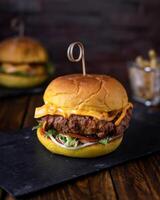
x=26, y=166
x=7, y=92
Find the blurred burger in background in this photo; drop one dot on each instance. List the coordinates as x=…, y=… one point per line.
x=23, y=63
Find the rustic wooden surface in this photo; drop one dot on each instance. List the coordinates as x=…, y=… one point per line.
x=135, y=180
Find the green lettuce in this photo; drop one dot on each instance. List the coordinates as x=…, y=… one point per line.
x=50, y=68
x=50, y=132
x=104, y=140
x=67, y=140
x=37, y=126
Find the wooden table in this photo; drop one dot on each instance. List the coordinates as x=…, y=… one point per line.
x=138, y=179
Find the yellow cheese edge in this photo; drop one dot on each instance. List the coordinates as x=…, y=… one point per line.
x=118, y=121
x=49, y=109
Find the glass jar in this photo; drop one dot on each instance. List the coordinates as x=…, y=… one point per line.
x=145, y=84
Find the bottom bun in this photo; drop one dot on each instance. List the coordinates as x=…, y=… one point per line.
x=86, y=152
x=15, y=81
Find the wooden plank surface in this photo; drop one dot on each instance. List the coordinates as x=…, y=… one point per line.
x=12, y=112
x=135, y=180
x=11, y=117
x=138, y=179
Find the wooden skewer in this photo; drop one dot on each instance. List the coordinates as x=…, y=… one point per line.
x=80, y=57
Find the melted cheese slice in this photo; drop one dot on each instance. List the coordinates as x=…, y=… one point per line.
x=49, y=109
x=11, y=68
x=123, y=114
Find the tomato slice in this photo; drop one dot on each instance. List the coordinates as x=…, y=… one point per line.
x=82, y=138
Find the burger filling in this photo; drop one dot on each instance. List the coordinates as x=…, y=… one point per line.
x=79, y=131
x=24, y=69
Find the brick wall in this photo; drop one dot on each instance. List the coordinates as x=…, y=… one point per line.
x=109, y=29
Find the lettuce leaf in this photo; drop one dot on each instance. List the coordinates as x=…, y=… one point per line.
x=67, y=140
x=104, y=140
x=50, y=68
x=50, y=132
x=37, y=126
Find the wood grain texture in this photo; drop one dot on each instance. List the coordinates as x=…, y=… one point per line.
x=138, y=180
x=1, y=191
x=34, y=101
x=11, y=117
x=151, y=171
x=101, y=186
x=12, y=112
x=72, y=190
x=9, y=197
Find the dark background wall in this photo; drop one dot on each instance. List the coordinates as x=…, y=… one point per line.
x=109, y=29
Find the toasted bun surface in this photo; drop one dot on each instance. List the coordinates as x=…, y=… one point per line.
x=99, y=93
x=86, y=152
x=22, y=50
x=13, y=81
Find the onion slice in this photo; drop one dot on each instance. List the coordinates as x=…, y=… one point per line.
x=72, y=148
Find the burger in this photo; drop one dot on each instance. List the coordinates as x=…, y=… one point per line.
x=83, y=116
x=23, y=63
